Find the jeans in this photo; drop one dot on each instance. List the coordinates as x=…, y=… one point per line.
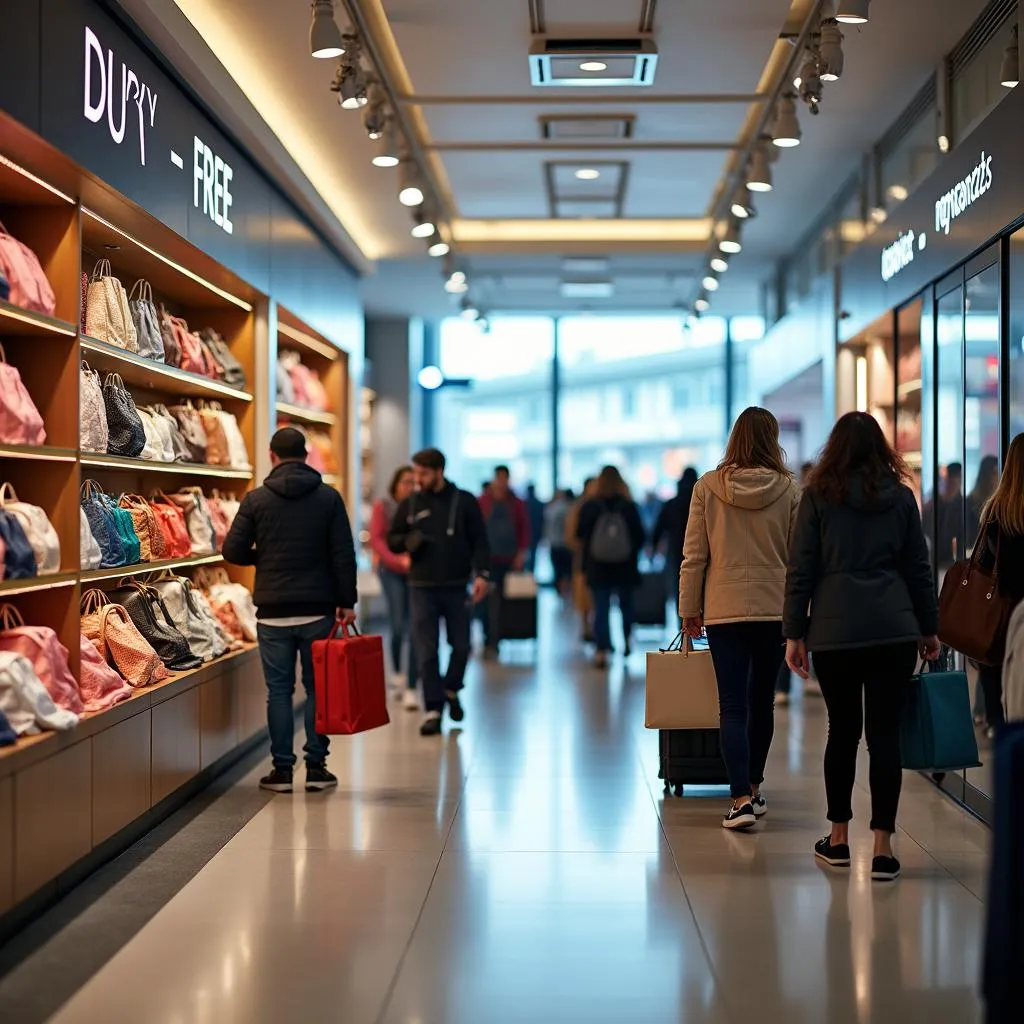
x=865, y=690
x=602, y=614
x=990, y=679
x=490, y=610
x=279, y=647
x=396, y=594
x=429, y=606
x=746, y=656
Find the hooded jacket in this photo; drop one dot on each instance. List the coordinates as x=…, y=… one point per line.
x=736, y=545
x=859, y=573
x=295, y=530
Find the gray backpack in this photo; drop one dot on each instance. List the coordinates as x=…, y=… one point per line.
x=611, y=543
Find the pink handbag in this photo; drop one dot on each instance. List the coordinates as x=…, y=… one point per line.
x=47, y=655
x=102, y=687
x=29, y=286
x=20, y=422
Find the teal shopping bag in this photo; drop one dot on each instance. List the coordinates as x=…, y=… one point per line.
x=937, y=731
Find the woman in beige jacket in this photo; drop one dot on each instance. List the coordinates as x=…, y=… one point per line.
x=732, y=584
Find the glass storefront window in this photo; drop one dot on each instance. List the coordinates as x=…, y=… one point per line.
x=1015, y=371
x=945, y=509
x=909, y=389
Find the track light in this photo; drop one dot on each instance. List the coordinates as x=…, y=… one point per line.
x=720, y=263
x=439, y=248
x=424, y=226
x=730, y=242
x=710, y=283
x=375, y=121
x=1009, y=71
x=353, y=91
x=852, y=12
x=324, y=35
x=701, y=305
x=742, y=207
x=409, y=191
x=759, y=173
x=831, y=51
x=786, y=129
x=456, y=284
x=467, y=310
x=387, y=150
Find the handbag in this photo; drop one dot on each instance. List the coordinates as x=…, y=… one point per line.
x=20, y=422
x=107, y=313
x=38, y=529
x=119, y=641
x=160, y=430
x=90, y=556
x=682, y=690
x=169, y=426
x=218, y=452
x=351, y=692
x=231, y=370
x=937, y=728
x=27, y=284
x=125, y=527
x=102, y=525
x=191, y=427
x=24, y=700
x=226, y=426
x=219, y=521
x=172, y=349
x=197, y=518
x=176, y=593
x=152, y=545
x=221, y=590
x=177, y=543
x=153, y=449
x=223, y=641
x=19, y=560
x=285, y=389
x=47, y=655
x=193, y=358
x=92, y=412
x=973, y=615
x=101, y=686
x=125, y=433
x=146, y=320
x=83, y=301
x=148, y=612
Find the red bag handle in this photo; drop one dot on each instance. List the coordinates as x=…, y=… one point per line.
x=341, y=630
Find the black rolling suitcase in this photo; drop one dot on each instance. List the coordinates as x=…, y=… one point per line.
x=651, y=600
x=517, y=608
x=690, y=757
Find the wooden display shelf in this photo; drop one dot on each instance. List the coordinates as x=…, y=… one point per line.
x=307, y=342
x=38, y=453
x=17, y=321
x=34, y=584
x=147, y=373
x=142, y=568
x=298, y=414
x=95, y=460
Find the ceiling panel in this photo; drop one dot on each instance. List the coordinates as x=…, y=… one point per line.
x=671, y=184
x=497, y=185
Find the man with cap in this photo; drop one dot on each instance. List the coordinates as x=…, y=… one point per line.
x=295, y=531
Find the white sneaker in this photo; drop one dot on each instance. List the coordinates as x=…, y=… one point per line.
x=399, y=683
x=411, y=700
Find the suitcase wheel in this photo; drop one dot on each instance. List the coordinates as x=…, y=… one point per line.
x=673, y=789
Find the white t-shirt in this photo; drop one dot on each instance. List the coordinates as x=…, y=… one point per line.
x=292, y=620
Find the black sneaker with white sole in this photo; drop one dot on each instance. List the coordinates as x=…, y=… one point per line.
x=760, y=805
x=885, y=869
x=278, y=781
x=318, y=778
x=431, y=724
x=837, y=856
x=455, y=709
x=740, y=817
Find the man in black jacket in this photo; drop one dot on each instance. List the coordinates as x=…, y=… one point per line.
x=295, y=530
x=443, y=530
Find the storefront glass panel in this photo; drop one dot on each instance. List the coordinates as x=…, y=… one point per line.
x=945, y=510
x=908, y=389
x=1015, y=374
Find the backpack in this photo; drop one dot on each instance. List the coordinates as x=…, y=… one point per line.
x=611, y=543
x=501, y=532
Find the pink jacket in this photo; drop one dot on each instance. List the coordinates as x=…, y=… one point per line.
x=380, y=522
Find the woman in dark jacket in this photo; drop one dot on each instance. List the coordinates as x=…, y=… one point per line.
x=671, y=525
x=860, y=596
x=611, y=536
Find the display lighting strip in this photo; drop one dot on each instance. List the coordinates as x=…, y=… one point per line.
x=25, y=317
x=38, y=583
x=233, y=299
x=18, y=169
x=146, y=466
x=326, y=350
x=41, y=454
x=144, y=568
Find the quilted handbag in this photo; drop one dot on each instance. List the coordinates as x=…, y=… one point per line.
x=19, y=560
x=191, y=426
x=24, y=700
x=125, y=433
x=152, y=545
x=169, y=426
x=38, y=529
x=20, y=422
x=107, y=313
x=176, y=593
x=197, y=518
x=92, y=412
x=119, y=641
x=101, y=686
x=26, y=281
x=177, y=543
x=102, y=525
x=218, y=452
x=48, y=656
x=146, y=320
x=148, y=612
x=172, y=350
x=90, y=555
x=231, y=370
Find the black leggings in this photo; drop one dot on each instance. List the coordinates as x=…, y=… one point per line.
x=865, y=690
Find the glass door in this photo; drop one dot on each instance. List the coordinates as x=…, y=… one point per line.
x=909, y=389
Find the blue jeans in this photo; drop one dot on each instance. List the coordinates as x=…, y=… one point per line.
x=396, y=594
x=602, y=614
x=747, y=656
x=279, y=647
x=429, y=606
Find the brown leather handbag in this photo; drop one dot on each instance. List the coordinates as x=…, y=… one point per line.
x=973, y=615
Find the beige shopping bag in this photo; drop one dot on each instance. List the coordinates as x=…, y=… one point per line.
x=682, y=692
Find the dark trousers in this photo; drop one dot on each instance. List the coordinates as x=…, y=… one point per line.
x=746, y=657
x=990, y=679
x=396, y=594
x=602, y=614
x=784, y=680
x=489, y=611
x=561, y=563
x=865, y=690
x=429, y=606
x=279, y=647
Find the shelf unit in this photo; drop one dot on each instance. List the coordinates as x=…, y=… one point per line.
x=122, y=463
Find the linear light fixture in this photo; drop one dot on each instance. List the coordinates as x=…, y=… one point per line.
x=697, y=229
x=26, y=317
x=18, y=169
x=307, y=340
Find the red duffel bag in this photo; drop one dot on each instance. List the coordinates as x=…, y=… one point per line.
x=351, y=693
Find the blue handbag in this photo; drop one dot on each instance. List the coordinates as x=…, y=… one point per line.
x=103, y=525
x=5, y=287
x=8, y=737
x=937, y=730
x=19, y=559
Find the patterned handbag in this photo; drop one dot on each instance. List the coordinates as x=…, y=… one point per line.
x=125, y=433
x=101, y=686
x=202, y=638
x=92, y=412
x=154, y=622
x=152, y=545
x=146, y=320
x=102, y=525
x=118, y=640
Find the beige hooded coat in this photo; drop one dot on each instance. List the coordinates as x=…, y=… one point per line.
x=737, y=545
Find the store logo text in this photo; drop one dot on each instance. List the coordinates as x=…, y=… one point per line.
x=962, y=194
x=896, y=256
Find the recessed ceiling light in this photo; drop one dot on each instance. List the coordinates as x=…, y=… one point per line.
x=593, y=65
x=943, y=142
x=588, y=174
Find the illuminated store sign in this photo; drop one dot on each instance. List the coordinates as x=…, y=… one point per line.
x=901, y=253
x=962, y=194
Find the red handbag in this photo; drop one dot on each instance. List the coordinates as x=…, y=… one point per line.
x=351, y=694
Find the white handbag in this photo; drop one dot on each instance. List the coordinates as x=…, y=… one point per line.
x=108, y=316
x=176, y=593
x=92, y=412
x=520, y=585
x=38, y=529
x=224, y=641
x=25, y=701
x=91, y=556
x=238, y=454
x=197, y=518
x=159, y=446
x=222, y=589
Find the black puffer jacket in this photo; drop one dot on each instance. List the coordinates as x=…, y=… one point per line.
x=295, y=530
x=859, y=574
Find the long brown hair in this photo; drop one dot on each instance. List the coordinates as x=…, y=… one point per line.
x=1006, y=506
x=610, y=484
x=396, y=479
x=754, y=443
x=856, y=447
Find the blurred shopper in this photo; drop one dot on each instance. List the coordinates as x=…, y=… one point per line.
x=943, y=518
x=670, y=527
x=442, y=531
x=294, y=529
x=581, y=595
x=556, y=512
x=984, y=487
x=394, y=580
x=649, y=512
x=1002, y=520
x=860, y=597
x=732, y=584
x=611, y=536
x=535, y=518
x=508, y=534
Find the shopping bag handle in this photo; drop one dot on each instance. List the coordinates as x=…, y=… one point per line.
x=341, y=630
x=682, y=642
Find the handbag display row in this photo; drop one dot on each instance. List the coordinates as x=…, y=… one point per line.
x=299, y=384
x=320, y=448
x=27, y=284
x=29, y=545
x=110, y=422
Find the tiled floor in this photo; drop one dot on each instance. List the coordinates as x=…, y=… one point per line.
x=528, y=869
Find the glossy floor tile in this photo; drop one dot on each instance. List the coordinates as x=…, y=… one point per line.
x=527, y=868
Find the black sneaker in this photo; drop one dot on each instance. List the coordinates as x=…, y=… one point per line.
x=837, y=856
x=455, y=708
x=740, y=817
x=885, y=869
x=760, y=805
x=278, y=781
x=431, y=724
x=318, y=777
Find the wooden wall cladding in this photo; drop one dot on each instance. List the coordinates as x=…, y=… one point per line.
x=176, y=739
x=219, y=728
x=6, y=844
x=121, y=766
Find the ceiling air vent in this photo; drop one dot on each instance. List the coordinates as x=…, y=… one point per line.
x=603, y=63
x=587, y=127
